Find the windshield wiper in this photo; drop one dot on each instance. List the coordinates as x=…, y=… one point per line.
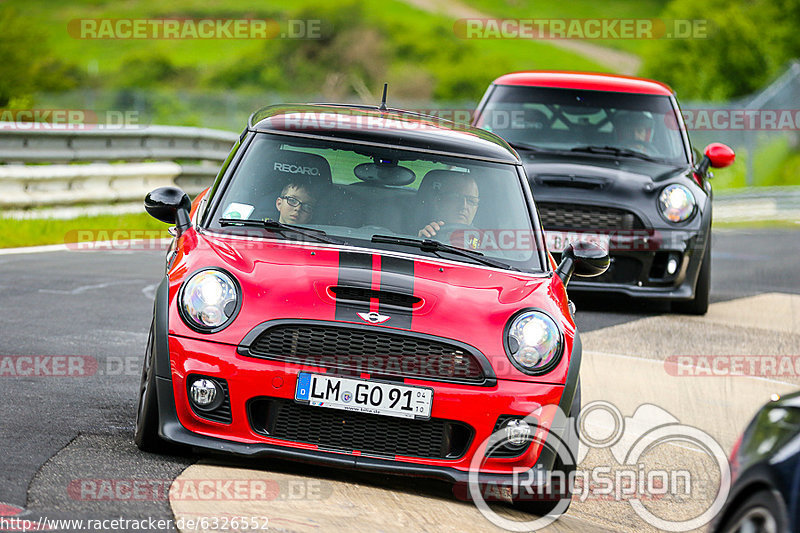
x=615, y=150
x=280, y=227
x=429, y=245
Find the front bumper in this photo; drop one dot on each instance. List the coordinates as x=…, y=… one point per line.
x=639, y=266
x=177, y=357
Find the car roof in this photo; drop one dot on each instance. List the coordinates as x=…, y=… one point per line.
x=591, y=81
x=391, y=127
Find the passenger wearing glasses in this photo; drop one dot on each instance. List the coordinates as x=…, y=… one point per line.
x=455, y=203
x=296, y=203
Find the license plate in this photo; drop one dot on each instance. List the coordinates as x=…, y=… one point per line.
x=558, y=240
x=364, y=396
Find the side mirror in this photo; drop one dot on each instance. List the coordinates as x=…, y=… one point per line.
x=716, y=155
x=584, y=259
x=170, y=205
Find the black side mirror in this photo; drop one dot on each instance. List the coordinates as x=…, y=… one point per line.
x=584, y=259
x=170, y=205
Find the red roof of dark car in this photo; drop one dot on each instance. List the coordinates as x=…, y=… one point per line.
x=584, y=80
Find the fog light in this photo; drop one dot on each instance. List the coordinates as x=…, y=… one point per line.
x=672, y=266
x=206, y=394
x=518, y=432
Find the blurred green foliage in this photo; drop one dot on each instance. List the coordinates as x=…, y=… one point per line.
x=749, y=42
x=25, y=65
x=363, y=45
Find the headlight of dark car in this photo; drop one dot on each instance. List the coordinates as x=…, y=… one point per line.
x=677, y=203
x=209, y=300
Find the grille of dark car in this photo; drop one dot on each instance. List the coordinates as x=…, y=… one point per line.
x=586, y=217
x=368, y=350
x=351, y=431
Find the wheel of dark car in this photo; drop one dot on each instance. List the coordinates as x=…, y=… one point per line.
x=760, y=513
x=571, y=438
x=146, y=432
x=702, y=291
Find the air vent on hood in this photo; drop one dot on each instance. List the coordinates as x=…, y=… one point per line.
x=386, y=298
x=564, y=180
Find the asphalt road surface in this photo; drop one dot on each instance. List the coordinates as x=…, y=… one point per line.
x=61, y=437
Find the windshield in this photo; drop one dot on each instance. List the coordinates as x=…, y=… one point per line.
x=353, y=193
x=577, y=120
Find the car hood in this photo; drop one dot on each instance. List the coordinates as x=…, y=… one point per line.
x=621, y=183
x=284, y=280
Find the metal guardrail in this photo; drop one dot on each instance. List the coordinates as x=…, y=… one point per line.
x=123, y=164
x=153, y=143
x=101, y=165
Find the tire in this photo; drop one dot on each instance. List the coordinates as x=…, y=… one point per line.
x=146, y=432
x=571, y=437
x=760, y=513
x=702, y=290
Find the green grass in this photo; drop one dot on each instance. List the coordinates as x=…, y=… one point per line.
x=776, y=164
x=401, y=25
x=757, y=224
x=35, y=232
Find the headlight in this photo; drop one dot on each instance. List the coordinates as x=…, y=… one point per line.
x=209, y=300
x=534, y=342
x=677, y=203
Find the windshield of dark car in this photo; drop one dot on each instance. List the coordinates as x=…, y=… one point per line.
x=571, y=119
x=353, y=192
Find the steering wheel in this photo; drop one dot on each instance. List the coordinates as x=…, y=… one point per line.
x=446, y=235
x=377, y=229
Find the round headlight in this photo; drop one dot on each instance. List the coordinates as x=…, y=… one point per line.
x=534, y=342
x=677, y=203
x=209, y=300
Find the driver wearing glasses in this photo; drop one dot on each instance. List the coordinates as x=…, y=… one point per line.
x=296, y=203
x=456, y=203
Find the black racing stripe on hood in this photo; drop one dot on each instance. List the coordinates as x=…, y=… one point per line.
x=397, y=276
x=355, y=270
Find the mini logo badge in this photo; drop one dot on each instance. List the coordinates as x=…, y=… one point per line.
x=346, y=397
x=374, y=318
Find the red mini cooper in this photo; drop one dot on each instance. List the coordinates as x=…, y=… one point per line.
x=364, y=288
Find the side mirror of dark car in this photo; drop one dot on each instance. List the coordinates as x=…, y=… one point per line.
x=584, y=259
x=170, y=205
x=716, y=155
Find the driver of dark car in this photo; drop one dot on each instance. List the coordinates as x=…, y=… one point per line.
x=635, y=130
x=455, y=202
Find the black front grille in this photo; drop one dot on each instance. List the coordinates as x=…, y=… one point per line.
x=370, y=350
x=367, y=433
x=586, y=217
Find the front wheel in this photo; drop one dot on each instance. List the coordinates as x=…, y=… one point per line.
x=146, y=433
x=760, y=513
